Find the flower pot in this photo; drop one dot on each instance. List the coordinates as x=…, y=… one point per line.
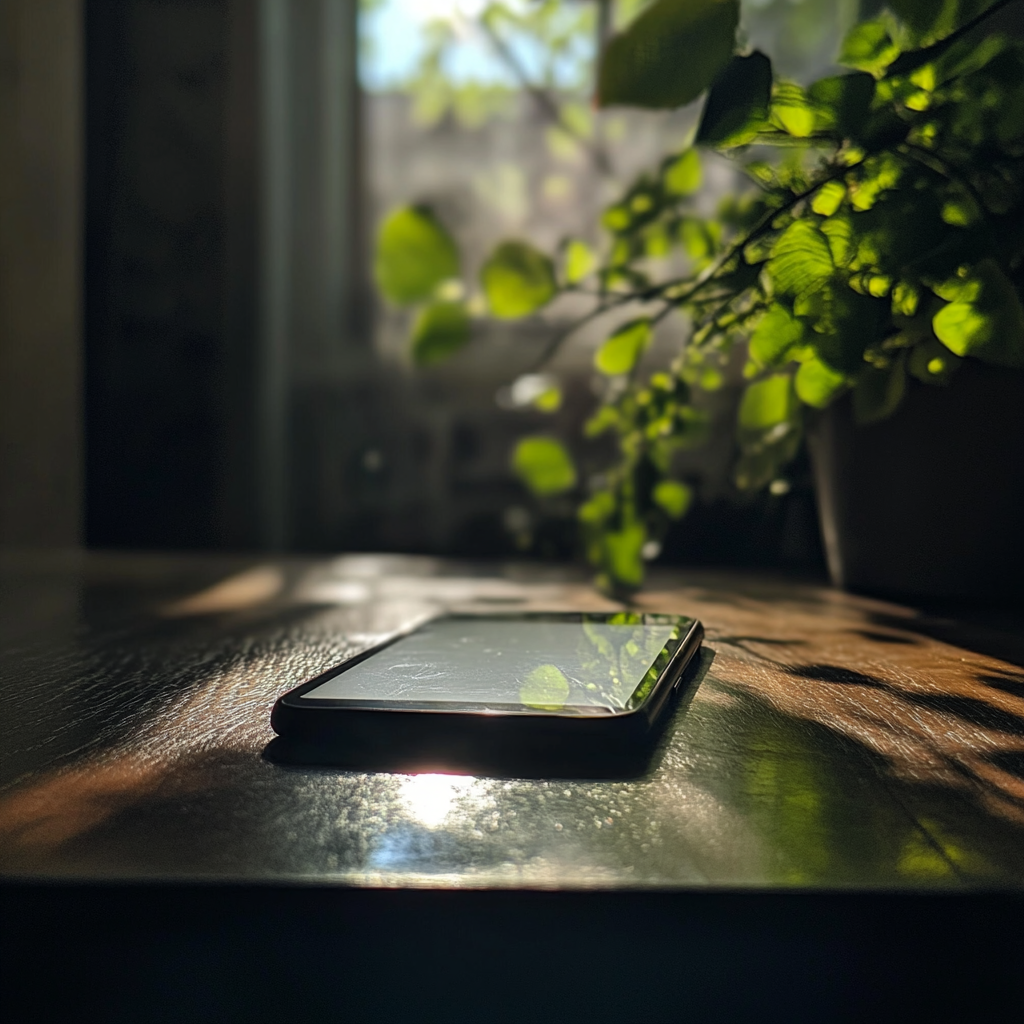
x=928, y=504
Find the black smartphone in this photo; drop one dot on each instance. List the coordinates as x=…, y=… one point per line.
x=525, y=688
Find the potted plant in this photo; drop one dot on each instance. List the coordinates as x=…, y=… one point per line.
x=873, y=272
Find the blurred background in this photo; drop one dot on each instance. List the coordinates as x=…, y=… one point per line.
x=193, y=354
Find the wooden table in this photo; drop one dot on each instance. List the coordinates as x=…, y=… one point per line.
x=840, y=756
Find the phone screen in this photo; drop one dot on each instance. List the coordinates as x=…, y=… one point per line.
x=590, y=667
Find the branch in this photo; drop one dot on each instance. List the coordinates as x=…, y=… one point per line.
x=548, y=107
x=913, y=59
x=556, y=342
x=755, y=232
x=722, y=307
x=705, y=277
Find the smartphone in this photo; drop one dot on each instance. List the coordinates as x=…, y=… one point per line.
x=525, y=687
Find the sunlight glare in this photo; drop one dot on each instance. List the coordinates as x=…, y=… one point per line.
x=429, y=799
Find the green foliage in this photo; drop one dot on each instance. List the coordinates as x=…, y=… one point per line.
x=767, y=404
x=792, y=111
x=621, y=352
x=622, y=553
x=439, y=331
x=544, y=465
x=775, y=337
x=879, y=250
x=841, y=103
x=673, y=497
x=645, y=66
x=580, y=261
x=984, y=317
x=801, y=261
x=517, y=280
x=550, y=31
x=415, y=254
x=923, y=22
x=737, y=105
x=682, y=175
x=868, y=47
x=817, y=383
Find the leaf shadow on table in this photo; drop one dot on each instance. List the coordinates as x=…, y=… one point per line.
x=1007, y=682
x=952, y=760
x=835, y=674
x=1011, y=761
x=831, y=807
x=797, y=773
x=972, y=710
x=1003, y=638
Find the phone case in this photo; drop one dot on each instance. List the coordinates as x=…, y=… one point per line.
x=361, y=734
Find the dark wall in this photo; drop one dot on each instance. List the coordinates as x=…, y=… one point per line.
x=154, y=271
x=40, y=273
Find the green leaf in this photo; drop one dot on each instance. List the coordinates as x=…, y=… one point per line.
x=879, y=391
x=517, y=279
x=440, y=330
x=657, y=242
x=579, y=261
x=817, y=383
x=868, y=47
x=597, y=509
x=414, y=255
x=682, y=176
x=767, y=403
x=737, y=106
x=643, y=203
x=985, y=319
x=543, y=464
x=763, y=460
x=905, y=299
x=775, y=336
x=619, y=354
x=696, y=239
x=961, y=210
x=924, y=22
x=669, y=55
x=946, y=61
x=842, y=102
x=930, y=361
x=549, y=400
x=672, y=497
x=828, y=198
x=844, y=323
x=791, y=111
x=623, y=554
x=839, y=232
x=878, y=174
x=544, y=687
x=616, y=219
x=801, y=260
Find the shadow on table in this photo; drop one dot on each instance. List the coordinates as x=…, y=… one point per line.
x=994, y=633
x=505, y=763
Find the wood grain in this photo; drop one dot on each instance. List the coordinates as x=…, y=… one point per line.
x=834, y=742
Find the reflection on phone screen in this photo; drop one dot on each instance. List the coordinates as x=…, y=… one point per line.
x=539, y=664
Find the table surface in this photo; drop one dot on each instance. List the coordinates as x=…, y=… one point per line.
x=834, y=742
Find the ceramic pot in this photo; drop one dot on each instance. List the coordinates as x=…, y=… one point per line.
x=929, y=503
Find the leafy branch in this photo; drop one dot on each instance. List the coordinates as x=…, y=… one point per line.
x=880, y=244
x=542, y=98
